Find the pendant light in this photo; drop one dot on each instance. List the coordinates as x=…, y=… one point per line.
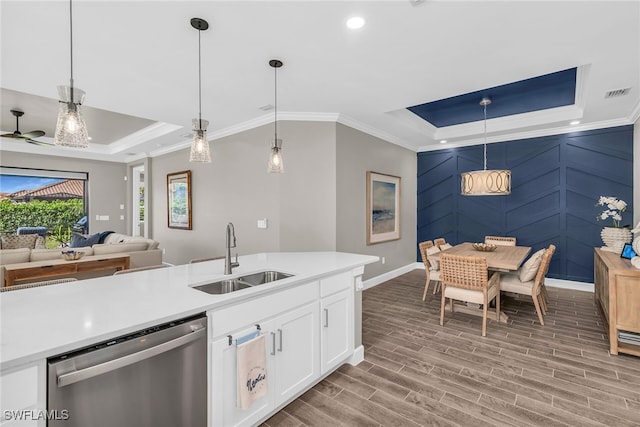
x=275, y=157
x=486, y=182
x=71, y=130
x=200, y=146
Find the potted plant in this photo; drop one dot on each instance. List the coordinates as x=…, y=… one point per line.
x=61, y=236
x=615, y=236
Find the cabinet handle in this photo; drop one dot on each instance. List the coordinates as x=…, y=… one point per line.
x=280, y=333
x=326, y=317
x=273, y=341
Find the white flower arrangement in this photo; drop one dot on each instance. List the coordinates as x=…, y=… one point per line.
x=614, y=209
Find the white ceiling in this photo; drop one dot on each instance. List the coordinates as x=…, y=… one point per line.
x=139, y=59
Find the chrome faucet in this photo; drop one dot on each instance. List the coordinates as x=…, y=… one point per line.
x=228, y=265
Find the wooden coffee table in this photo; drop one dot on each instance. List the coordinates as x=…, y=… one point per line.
x=61, y=267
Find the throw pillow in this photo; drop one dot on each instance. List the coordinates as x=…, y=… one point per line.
x=444, y=246
x=79, y=241
x=529, y=269
x=27, y=241
x=104, y=235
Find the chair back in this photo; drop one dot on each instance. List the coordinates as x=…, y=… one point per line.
x=133, y=270
x=196, y=260
x=423, y=252
x=463, y=271
x=36, y=284
x=543, y=269
x=500, y=240
x=439, y=241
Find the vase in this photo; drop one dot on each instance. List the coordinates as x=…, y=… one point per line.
x=614, y=238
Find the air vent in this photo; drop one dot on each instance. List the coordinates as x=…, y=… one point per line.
x=617, y=92
x=266, y=107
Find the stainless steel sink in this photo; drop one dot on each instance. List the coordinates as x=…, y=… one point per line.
x=263, y=277
x=222, y=287
x=244, y=282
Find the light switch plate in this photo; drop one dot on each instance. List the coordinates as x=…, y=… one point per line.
x=263, y=223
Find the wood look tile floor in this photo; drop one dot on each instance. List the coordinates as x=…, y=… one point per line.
x=416, y=372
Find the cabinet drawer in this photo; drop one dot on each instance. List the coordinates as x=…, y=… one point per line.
x=332, y=284
x=229, y=319
x=20, y=389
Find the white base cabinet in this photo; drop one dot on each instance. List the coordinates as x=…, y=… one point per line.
x=308, y=332
x=22, y=396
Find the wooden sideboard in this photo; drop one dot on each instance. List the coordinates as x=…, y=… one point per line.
x=59, y=267
x=617, y=293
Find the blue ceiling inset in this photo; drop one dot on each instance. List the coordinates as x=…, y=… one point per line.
x=538, y=93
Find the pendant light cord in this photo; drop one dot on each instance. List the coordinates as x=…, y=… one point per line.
x=485, y=136
x=199, y=82
x=275, y=107
x=71, y=44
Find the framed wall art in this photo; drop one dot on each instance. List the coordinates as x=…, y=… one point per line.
x=179, y=200
x=383, y=207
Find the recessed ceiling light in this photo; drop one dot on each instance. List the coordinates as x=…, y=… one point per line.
x=575, y=122
x=355, y=22
x=444, y=141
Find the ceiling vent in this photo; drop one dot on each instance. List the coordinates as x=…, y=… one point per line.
x=617, y=92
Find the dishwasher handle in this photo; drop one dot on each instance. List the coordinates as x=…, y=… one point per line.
x=111, y=365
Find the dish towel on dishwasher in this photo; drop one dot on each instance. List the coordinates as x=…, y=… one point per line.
x=252, y=371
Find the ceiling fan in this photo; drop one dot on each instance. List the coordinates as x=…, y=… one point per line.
x=28, y=137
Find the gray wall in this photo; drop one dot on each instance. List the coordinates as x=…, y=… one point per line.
x=636, y=173
x=357, y=153
x=299, y=204
x=107, y=187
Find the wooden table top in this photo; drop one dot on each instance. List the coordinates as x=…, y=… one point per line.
x=59, y=261
x=504, y=258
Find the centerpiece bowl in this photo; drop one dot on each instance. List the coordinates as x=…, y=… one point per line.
x=484, y=247
x=72, y=255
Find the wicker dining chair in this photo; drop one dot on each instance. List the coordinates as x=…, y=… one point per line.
x=465, y=278
x=196, y=260
x=439, y=241
x=534, y=288
x=134, y=270
x=37, y=284
x=431, y=268
x=500, y=240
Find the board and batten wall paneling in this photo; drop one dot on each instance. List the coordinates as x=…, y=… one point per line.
x=556, y=183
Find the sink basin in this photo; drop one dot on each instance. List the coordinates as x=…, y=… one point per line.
x=223, y=286
x=244, y=282
x=263, y=277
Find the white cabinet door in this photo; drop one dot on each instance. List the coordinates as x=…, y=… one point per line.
x=297, y=350
x=223, y=410
x=337, y=329
x=22, y=395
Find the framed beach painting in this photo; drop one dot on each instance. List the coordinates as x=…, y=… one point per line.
x=179, y=200
x=383, y=207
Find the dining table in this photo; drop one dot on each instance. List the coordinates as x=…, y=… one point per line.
x=502, y=259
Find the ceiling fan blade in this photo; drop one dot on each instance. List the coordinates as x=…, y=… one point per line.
x=13, y=135
x=33, y=141
x=33, y=134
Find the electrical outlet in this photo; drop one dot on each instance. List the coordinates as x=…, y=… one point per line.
x=383, y=260
x=121, y=207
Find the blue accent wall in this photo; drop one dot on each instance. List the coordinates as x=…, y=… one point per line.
x=556, y=183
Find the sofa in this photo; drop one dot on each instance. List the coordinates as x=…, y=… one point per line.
x=142, y=252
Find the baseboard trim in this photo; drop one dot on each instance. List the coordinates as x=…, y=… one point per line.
x=569, y=284
x=552, y=283
x=375, y=281
x=357, y=357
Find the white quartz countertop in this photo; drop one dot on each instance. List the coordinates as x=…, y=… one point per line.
x=41, y=322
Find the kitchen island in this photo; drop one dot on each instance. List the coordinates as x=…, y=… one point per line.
x=38, y=323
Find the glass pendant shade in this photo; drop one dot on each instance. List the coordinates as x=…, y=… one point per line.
x=486, y=183
x=200, y=146
x=71, y=130
x=275, y=158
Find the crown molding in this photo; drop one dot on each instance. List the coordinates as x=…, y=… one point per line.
x=146, y=134
x=528, y=134
x=355, y=124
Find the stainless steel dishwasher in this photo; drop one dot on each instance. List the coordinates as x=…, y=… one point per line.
x=154, y=377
